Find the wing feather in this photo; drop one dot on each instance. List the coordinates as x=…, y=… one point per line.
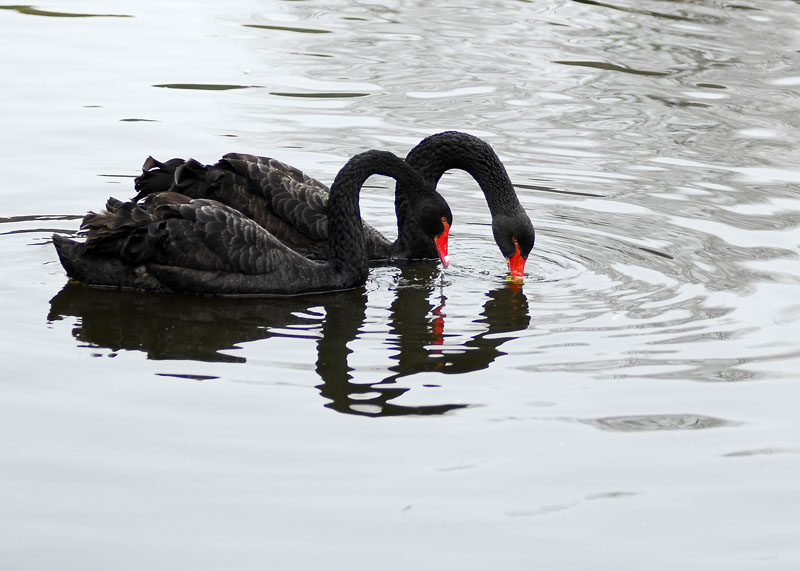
x=291, y=205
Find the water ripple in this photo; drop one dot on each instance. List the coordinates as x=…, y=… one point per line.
x=645, y=423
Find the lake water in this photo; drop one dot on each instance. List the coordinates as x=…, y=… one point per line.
x=634, y=405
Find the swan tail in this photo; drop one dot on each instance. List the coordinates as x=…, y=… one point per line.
x=69, y=252
x=89, y=269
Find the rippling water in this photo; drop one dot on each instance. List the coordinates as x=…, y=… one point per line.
x=631, y=406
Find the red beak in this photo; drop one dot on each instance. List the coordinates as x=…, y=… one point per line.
x=441, y=243
x=516, y=265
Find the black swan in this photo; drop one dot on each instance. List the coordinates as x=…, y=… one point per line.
x=511, y=226
x=294, y=206
x=174, y=243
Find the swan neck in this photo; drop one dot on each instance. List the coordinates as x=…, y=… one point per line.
x=453, y=150
x=346, y=237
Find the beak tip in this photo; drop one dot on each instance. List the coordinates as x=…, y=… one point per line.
x=516, y=271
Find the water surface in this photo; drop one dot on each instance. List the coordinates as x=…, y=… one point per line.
x=633, y=405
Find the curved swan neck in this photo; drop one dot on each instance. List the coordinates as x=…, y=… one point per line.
x=436, y=154
x=345, y=229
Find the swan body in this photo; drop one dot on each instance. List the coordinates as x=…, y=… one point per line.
x=290, y=204
x=173, y=242
x=294, y=206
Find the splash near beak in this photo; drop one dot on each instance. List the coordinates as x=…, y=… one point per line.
x=516, y=265
x=441, y=243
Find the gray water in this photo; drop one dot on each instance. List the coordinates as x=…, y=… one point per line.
x=633, y=405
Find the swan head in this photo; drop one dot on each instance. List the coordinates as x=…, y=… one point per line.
x=514, y=236
x=434, y=218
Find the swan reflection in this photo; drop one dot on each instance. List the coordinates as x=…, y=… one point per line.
x=421, y=342
x=173, y=326
x=194, y=328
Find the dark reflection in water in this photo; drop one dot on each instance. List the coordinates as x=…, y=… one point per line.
x=212, y=329
x=670, y=16
x=613, y=67
x=203, y=86
x=419, y=342
x=320, y=94
x=173, y=326
x=18, y=220
x=288, y=29
x=31, y=11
